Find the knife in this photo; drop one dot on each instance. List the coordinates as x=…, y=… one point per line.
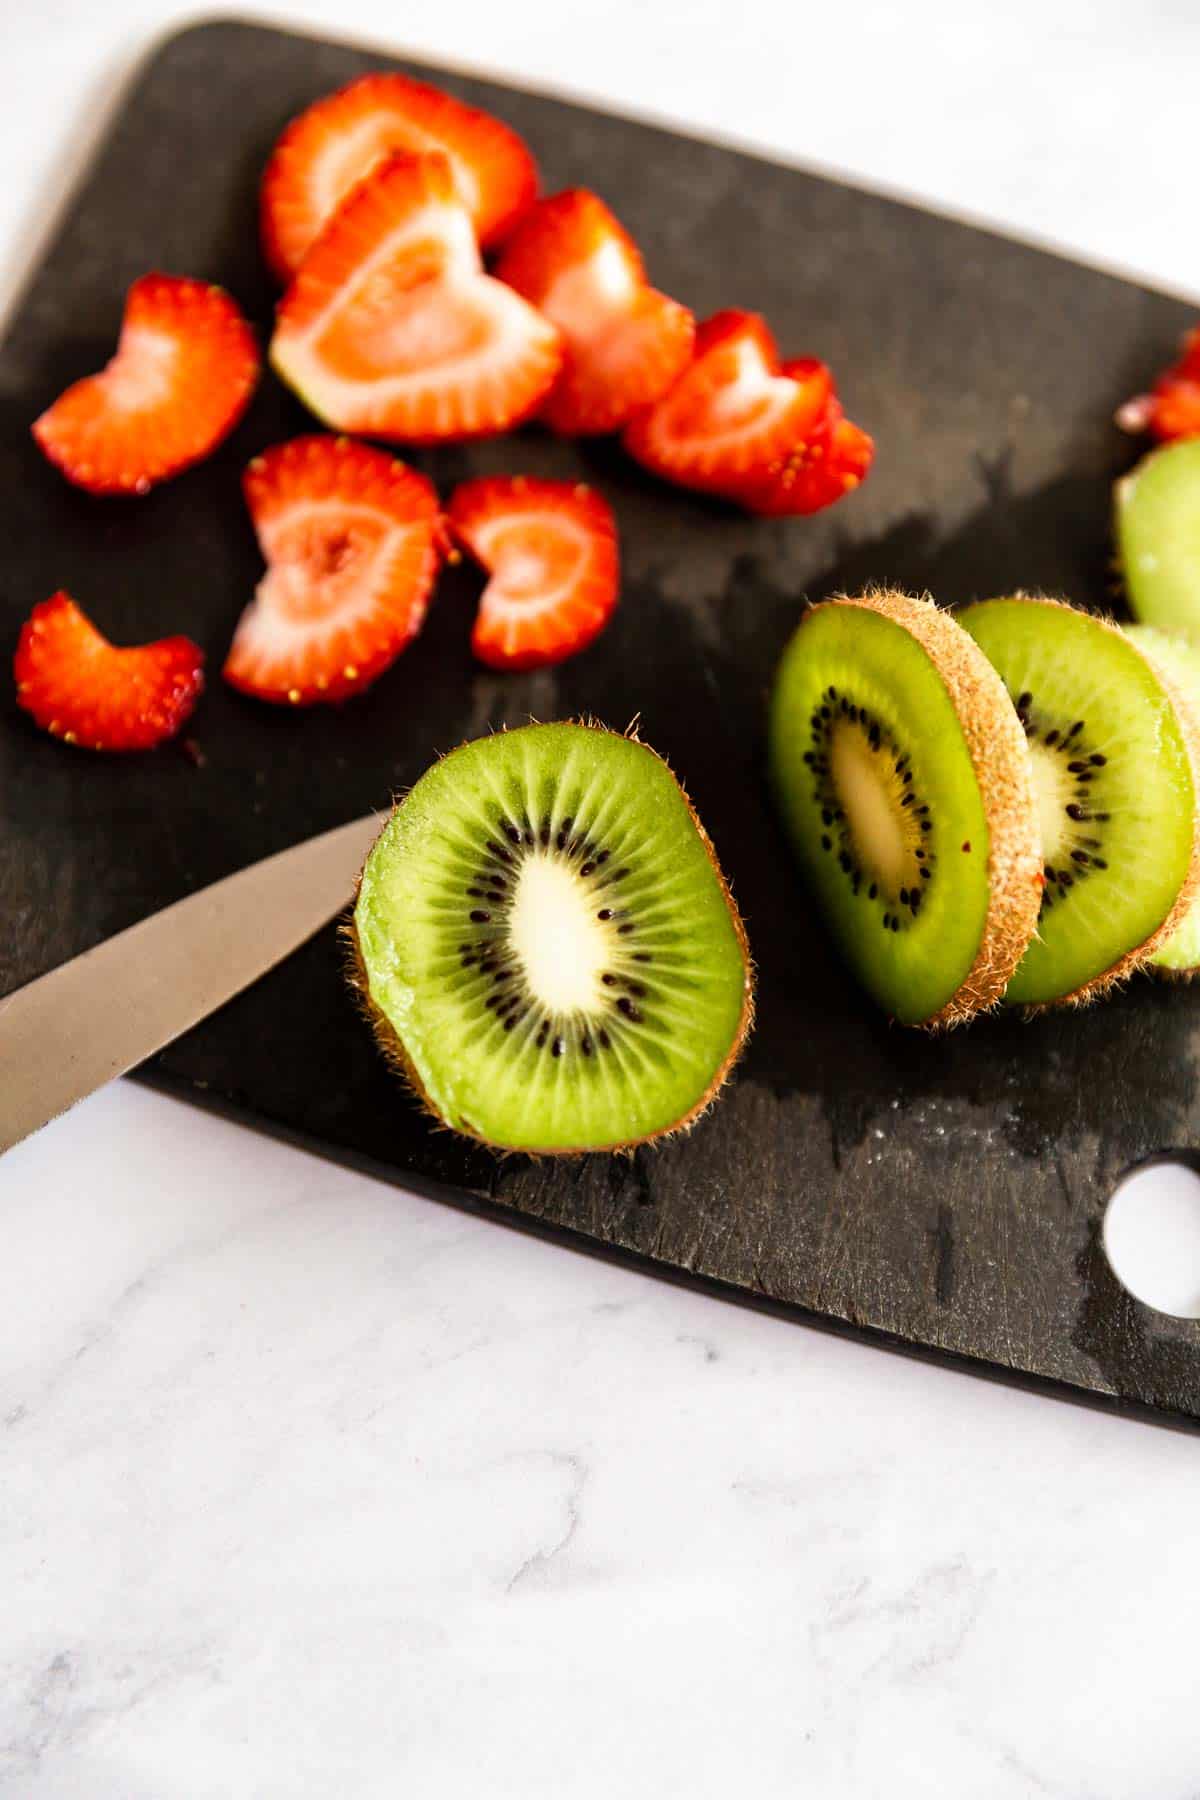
x=94, y=1018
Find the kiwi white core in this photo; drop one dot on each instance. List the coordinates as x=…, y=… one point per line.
x=868, y=798
x=1053, y=790
x=562, y=947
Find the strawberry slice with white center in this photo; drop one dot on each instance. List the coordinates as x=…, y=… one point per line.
x=340, y=139
x=83, y=689
x=185, y=368
x=823, y=467
x=392, y=329
x=550, y=548
x=624, y=342
x=732, y=415
x=352, y=540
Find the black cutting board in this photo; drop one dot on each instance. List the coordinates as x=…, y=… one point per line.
x=940, y=1195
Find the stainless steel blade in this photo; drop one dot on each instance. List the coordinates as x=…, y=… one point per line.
x=101, y=1014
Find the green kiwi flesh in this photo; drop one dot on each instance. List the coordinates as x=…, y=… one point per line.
x=1158, y=537
x=547, y=946
x=1180, y=661
x=1116, y=793
x=904, y=781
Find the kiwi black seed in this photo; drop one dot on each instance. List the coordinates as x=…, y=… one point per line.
x=905, y=781
x=1115, y=772
x=547, y=946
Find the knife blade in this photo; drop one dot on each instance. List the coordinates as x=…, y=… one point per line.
x=67, y=1033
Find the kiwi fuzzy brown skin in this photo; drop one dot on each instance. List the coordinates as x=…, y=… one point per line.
x=1003, y=767
x=392, y=1047
x=1139, y=956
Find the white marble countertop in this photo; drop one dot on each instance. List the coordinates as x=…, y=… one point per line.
x=310, y=1488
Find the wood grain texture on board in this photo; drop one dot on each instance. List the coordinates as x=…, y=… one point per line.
x=945, y=1194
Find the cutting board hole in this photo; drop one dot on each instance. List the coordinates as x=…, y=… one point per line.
x=1152, y=1235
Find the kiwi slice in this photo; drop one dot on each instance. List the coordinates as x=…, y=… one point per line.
x=1158, y=537
x=1116, y=790
x=906, y=785
x=547, y=947
x=1179, y=661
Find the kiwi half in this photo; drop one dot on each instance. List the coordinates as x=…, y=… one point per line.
x=547, y=947
x=905, y=782
x=1117, y=793
x=1179, y=660
x=1158, y=537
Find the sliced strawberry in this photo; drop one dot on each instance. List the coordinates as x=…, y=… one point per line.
x=820, y=471
x=770, y=436
x=392, y=329
x=1172, y=408
x=624, y=342
x=550, y=548
x=84, y=690
x=352, y=542
x=823, y=467
x=732, y=415
x=184, y=370
x=325, y=152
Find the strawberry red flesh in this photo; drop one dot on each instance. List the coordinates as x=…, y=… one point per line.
x=89, y=692
x=392, y=329
x=624, y=342
x=740, y=424
x=826, y=465
x=343, y=137
x=732, y=413
x=352, y=543
x=820, y=471
x=550, y=548
x=185, y=368
x=1172, y=408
